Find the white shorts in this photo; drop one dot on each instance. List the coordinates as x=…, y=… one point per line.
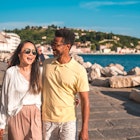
x=59, y=131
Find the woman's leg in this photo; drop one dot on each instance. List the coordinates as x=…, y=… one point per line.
x=26, y=125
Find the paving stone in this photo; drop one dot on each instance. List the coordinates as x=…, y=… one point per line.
x=97, y=124
x=125, y=123
x=112, y=115
x=102, y=109
x=134, y=138
x=120, y=133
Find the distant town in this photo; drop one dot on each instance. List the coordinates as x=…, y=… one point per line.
x=9, y=41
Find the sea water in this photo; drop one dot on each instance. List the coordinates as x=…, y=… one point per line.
x=128, y=61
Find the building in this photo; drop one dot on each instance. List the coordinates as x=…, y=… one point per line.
x=9, y=41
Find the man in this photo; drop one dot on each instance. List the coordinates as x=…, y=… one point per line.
x=63, y=78
x=41, y=56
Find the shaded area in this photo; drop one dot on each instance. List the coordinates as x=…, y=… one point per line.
x=129, y=105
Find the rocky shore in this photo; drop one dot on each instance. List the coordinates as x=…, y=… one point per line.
x=113, y=75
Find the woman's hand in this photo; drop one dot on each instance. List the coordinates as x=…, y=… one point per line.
x=2, y=131
x=77, y=101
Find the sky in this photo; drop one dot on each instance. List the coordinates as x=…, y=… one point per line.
x=111, y=16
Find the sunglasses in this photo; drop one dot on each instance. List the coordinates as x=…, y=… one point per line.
x=28, y=51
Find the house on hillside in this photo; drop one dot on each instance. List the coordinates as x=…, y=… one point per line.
x=9, y=41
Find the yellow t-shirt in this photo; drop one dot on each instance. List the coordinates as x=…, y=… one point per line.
x=61, y=82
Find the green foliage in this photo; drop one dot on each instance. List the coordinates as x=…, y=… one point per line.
x=35, y=34
x=45, y=35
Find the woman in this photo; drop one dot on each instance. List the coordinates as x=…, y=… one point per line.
x=21, y=95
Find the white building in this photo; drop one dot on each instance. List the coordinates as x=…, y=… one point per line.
x=9, y=41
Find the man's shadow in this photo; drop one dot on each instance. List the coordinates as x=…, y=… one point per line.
x=130, y=106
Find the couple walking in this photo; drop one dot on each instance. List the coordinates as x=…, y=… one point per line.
x=38, y=106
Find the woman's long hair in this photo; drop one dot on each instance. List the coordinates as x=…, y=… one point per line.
x=35, y=77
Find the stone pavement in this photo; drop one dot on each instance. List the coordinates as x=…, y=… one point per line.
x=3, y=66
x=113, y=116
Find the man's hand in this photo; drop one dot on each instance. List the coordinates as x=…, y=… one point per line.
x=83, y=135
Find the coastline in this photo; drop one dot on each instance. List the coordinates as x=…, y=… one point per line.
x=108, y=54
x=99, y=53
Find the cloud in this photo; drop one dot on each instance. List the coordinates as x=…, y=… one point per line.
x=19, y=25
x=96, y=4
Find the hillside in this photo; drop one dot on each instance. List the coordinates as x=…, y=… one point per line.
x=41, y=35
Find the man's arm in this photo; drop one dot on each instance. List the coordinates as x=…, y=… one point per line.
x=85, y=110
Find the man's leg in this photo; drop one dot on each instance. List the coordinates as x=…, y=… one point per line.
x=50, y=131
x=68, y=131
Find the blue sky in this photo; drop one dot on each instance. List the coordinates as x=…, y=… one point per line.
x=116, y=16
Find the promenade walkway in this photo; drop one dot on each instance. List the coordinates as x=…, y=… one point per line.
x=113, y=115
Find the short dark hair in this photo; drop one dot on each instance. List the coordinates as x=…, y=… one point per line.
x=67, y=35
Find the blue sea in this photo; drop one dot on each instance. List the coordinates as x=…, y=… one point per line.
x=128, y=61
